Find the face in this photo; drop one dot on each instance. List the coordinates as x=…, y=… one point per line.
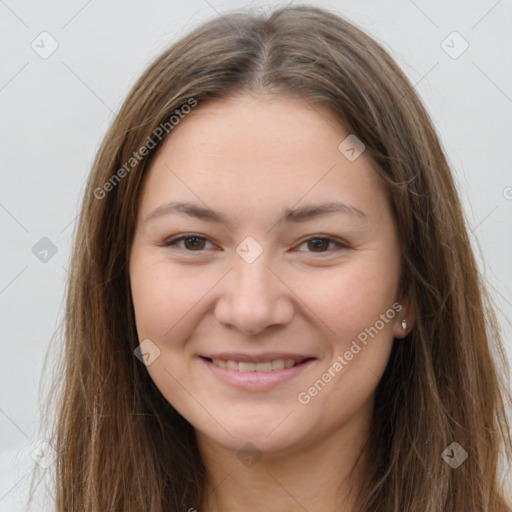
x=264, y=274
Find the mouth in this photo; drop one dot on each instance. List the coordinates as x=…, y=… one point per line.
x=256, y=373
x=271, y=365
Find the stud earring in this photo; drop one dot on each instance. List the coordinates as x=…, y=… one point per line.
x=404, y=325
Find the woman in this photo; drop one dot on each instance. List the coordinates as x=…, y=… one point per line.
x=273, y=302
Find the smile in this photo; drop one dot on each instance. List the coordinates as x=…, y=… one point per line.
x=266, y=366
x=256, y=376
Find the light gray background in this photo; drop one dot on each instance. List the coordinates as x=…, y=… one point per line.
x=55, y=111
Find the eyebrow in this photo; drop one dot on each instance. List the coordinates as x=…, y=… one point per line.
x=289, y=215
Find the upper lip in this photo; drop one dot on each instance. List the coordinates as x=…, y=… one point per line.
x=256, y=358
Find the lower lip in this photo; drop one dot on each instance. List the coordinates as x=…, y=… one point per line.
x=257, y=381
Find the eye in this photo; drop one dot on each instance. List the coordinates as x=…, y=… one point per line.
x=196, y=243
x=321, y=243
x=193, y=243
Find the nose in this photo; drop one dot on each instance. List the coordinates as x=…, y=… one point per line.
x=254, y=298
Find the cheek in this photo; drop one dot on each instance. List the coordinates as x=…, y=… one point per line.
x=164, y=303
x=359, y=304
x=350, y=298
x=163, y=298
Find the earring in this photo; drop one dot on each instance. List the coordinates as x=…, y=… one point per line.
x=404, y=325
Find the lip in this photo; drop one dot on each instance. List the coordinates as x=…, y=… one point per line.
x=256, y=358
x=257, y=381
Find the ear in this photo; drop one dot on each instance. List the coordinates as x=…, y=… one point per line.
x=404, y=311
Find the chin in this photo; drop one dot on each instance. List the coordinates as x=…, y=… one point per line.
x=267, y=434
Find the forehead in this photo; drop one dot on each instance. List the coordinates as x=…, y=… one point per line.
x=246, y=128
x=254, y=151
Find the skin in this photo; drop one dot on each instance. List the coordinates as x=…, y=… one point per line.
x=249, y=157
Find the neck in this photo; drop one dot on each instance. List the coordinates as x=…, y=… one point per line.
x=323, y=476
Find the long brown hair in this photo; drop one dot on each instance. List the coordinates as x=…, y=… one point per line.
x=121, y=446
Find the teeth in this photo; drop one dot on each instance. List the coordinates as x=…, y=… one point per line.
x=267, y=366
x=245, y=367
x=278, y=364
x=232, y=365
x=264, y=367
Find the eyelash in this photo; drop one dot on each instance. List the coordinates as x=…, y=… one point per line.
x=171, y=242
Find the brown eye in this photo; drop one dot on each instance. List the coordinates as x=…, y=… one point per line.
x=321, y=244
x=318, y=244
x=191, y=242
x=194, y=242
